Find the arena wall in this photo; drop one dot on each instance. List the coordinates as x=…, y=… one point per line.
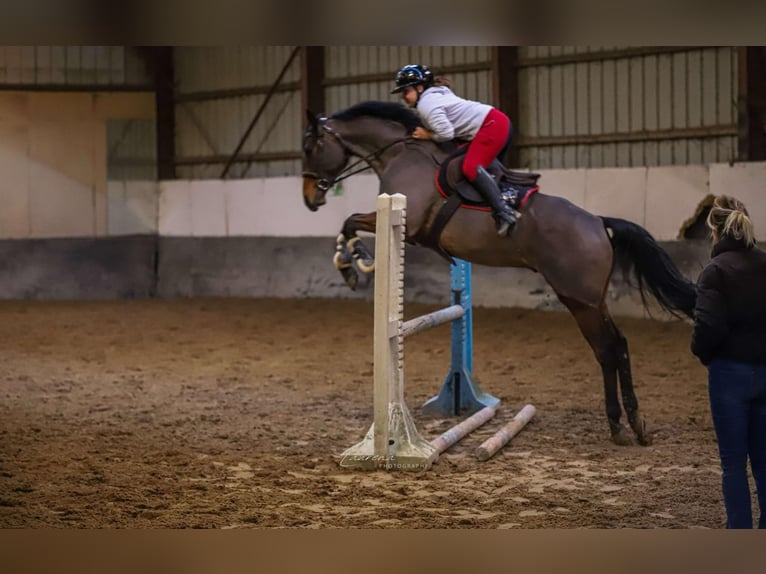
x=255, y=238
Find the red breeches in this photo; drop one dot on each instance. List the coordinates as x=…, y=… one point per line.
x=488, y=143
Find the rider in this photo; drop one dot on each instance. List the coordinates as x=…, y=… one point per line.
x=447, y=117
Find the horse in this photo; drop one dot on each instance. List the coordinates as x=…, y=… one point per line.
x=575, y=251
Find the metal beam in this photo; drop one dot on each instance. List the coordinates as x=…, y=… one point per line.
x=505, y=85
x=752, y=103
x=200, y=96
x=207, y=95
x=743, y=123
x=389, y=76
x=312, y=74
x=75, y=88
x=164, y=81
x=241, y=158
x=602, y=56
x=627, y=137
x=267, y=133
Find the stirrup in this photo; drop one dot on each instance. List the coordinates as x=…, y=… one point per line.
x=503, y=225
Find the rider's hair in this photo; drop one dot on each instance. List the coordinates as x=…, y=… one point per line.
x=442, y=81
x=728, y=218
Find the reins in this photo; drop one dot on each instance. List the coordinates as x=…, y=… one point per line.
x=325, y=184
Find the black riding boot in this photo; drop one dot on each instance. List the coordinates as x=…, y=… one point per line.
x=504, y=215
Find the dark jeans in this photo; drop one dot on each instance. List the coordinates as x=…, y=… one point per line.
x=738, y=403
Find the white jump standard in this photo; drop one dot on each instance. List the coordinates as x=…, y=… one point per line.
x=393, y=442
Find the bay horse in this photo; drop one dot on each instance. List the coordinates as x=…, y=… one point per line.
x=575, y=251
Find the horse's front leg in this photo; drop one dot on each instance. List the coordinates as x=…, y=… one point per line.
x=350, y=249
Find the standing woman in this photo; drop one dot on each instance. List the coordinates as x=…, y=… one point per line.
x=730, y=339
x=447, y=117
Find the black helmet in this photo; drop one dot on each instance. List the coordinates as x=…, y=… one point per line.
x=413, y=75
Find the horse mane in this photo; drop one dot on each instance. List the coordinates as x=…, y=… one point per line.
x=383, y=110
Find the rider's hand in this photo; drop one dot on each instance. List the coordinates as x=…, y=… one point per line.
x=421, y=134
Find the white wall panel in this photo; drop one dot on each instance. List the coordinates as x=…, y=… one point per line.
x=208, y=211
x=619, y=192
x=175, y=208
x=132, y=207
x=686, y=185
x=14, y=185
x=53, y=156
x=61, y=179
x=274, y=206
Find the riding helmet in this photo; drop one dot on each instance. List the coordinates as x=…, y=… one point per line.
x=413, y=75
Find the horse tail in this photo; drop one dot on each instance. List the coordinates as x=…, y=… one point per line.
x=635, y=249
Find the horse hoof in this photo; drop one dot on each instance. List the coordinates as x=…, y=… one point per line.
x=643, y=437
x=622, y=438
x=364, y=259
x=644, y=440
x=350, y=276
x=638, y=424
x=341, y=260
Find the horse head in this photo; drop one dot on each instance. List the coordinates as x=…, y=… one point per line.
x=324, y=157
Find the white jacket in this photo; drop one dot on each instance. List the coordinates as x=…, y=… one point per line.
x=449, y=116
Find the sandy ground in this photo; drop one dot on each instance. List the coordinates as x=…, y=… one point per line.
x=232, y=414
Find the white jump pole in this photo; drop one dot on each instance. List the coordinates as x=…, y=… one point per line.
x=425, y=322
x=493, y=444
x=460, y=431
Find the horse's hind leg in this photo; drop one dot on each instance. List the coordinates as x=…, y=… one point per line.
x=629, y=400
x=598, y=329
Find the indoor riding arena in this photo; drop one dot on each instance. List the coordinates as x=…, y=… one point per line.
x=180, y=351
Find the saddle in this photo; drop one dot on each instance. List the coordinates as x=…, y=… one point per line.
x=514, y=185
x=516, y=188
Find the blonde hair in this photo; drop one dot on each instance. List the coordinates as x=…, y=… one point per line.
x=728, y=218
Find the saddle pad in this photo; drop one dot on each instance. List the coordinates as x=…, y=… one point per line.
x=515, y=186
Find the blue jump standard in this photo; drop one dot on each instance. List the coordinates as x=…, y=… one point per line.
x=460, y=393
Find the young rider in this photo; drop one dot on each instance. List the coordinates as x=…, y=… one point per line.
x=447, y=117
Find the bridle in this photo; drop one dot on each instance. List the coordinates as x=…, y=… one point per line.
x=371, y=159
